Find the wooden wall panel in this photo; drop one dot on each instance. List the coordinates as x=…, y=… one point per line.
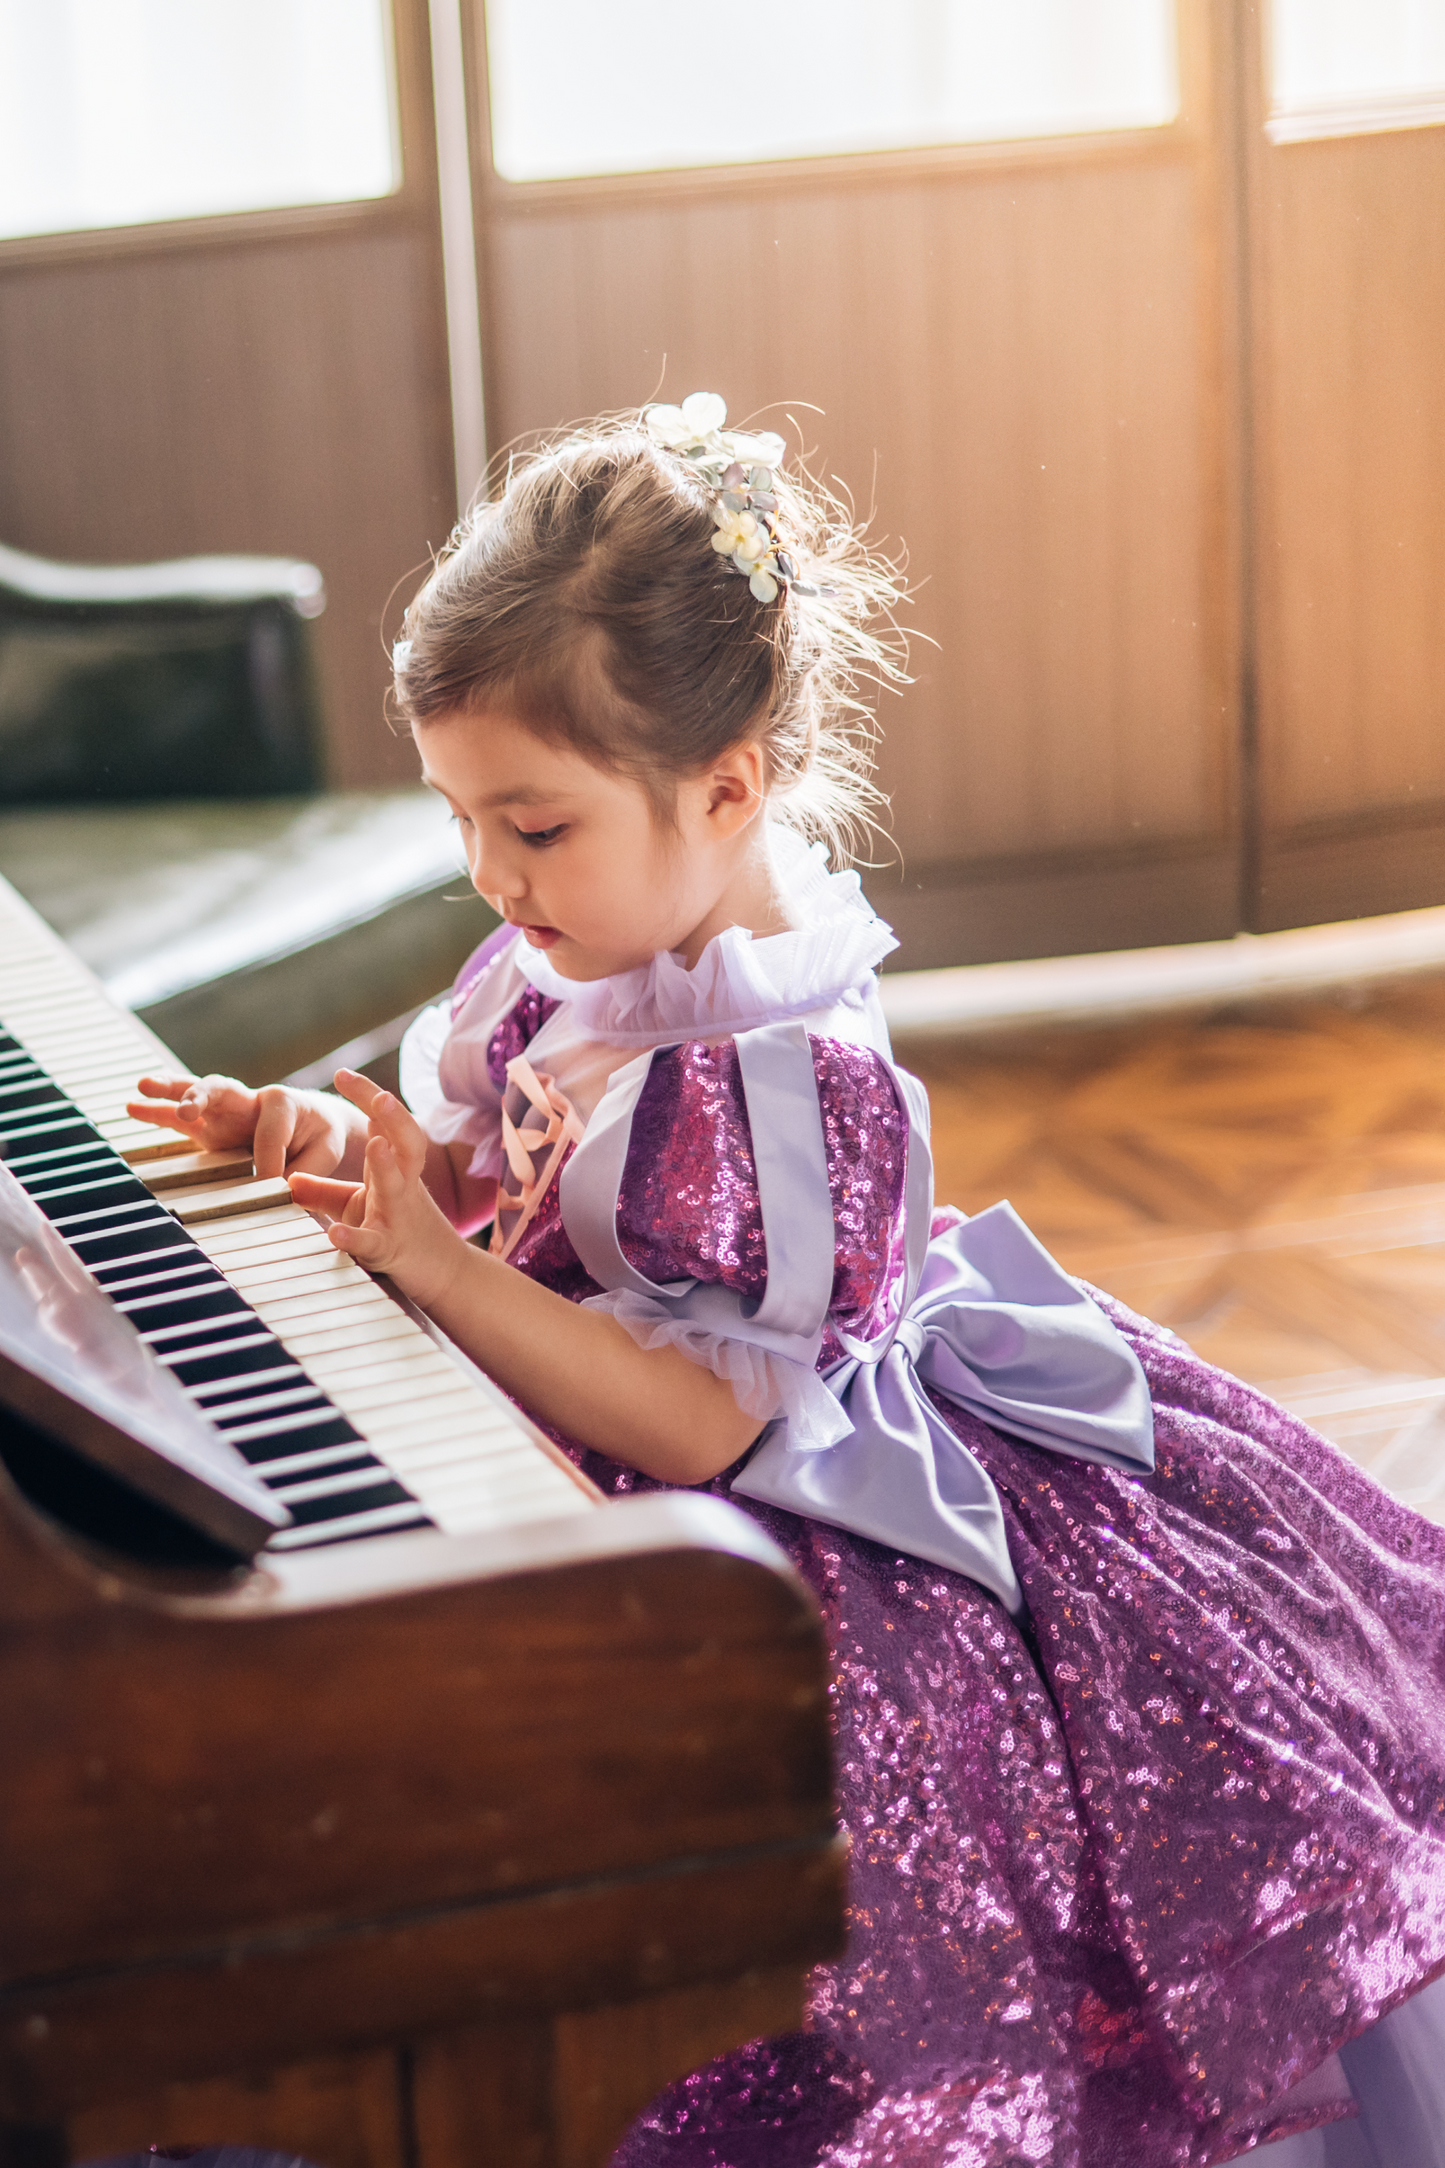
x=282, y=398
x=275, y=383
x=1349, y=306
x=1018, y=373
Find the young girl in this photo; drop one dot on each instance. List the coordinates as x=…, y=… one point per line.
x=1140, y=1686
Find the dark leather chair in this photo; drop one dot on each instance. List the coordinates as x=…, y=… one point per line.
x=136, y=682
x=162, y=806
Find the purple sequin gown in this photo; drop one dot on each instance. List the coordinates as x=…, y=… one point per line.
x=1126, y=1874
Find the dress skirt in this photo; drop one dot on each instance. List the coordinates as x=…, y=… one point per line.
x=1125, y=1875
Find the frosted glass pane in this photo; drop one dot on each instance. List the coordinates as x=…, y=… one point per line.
x=1368, y=63
x=639, y=84
x=120, y=112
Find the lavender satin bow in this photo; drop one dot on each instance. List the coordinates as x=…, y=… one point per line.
x=998, y=1327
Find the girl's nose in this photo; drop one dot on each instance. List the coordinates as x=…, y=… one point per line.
x=494, y=875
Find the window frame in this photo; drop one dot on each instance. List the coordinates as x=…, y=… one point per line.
x=833, y=169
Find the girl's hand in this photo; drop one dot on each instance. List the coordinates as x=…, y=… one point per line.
x=388, y=1222
x=289, y=1132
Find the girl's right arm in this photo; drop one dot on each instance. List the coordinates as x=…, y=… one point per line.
x=300, y=1132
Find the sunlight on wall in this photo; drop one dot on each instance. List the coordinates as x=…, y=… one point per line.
x=642, y=84
x=121, y=112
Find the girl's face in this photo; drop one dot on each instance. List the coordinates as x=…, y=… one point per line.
x=575, y=856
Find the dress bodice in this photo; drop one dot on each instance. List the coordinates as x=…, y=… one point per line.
x=754, y=1186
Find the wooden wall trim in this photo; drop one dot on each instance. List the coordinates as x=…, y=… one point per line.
x=864, y=169
x=1006, y=912
x=223, y=230
x=1305, y=876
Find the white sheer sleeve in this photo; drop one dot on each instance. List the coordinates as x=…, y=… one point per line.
x=764, y=1384
x=447, y=1121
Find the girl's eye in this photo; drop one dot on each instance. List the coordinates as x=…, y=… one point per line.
x=539, y=838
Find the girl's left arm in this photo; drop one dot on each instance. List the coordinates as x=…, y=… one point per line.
x=579, y=1370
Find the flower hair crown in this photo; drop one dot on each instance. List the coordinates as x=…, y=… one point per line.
x=738, y=470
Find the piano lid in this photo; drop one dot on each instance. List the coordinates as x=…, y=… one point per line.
x=72, y=1364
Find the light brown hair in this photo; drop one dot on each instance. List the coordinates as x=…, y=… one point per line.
x=586, y=601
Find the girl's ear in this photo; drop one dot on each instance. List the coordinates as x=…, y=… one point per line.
x=736, y=788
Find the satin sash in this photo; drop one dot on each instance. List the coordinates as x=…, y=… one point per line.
x=988, y=1320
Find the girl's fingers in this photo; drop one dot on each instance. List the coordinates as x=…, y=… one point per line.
x=276, y=1117
x=358, y=1089
x=166, y=1114
x=165, y=1087
x=368, y=1245
x=385, y=1181
x=396, y=1122
x=318, y=1193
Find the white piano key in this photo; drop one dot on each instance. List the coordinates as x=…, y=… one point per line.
x=340, y=1329
x=356, y=1304
x=219, y=1200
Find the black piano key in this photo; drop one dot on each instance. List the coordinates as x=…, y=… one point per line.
x=86, y=1184
x=19, y=1093
x=241, y=1358
x=390, y=1521
x=304, y=1510
x=155, y=1275
x=317, y=1463
x=58, y=1156
x=207, y=1332
x=111, y=1271
x=221, y=1392
x=151, y=1312
x=61, y=1128
x=31, y=1104
x=71, y=1223
x=305, y=1432
x=67, y=1197
x=332, y=1477
x=247, y=1401
x=155, y=1231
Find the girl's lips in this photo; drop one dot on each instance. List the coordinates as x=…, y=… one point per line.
x=540, y=936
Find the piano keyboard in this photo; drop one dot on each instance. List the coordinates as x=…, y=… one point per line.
x=361, y=1421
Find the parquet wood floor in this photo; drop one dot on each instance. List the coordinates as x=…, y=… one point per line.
x=1269, y=1180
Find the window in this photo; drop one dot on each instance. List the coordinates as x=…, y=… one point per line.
x=579, y=88
x=1355, y=67
x=121, y=112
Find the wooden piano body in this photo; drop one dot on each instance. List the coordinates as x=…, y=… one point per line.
x=447, y=1846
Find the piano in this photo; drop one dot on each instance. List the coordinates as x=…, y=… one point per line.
x=450, y=1827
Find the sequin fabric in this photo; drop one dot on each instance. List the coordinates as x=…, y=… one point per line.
x=518, y=1028
x=688, y=1204
x=690, y=1189
x=1122, y=1876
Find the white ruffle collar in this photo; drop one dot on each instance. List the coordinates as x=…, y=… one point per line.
x=738, y=983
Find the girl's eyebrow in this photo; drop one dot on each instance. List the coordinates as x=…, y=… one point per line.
x=519, y=797
x=499, y=797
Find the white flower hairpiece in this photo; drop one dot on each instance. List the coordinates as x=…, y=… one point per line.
x=737, y=467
